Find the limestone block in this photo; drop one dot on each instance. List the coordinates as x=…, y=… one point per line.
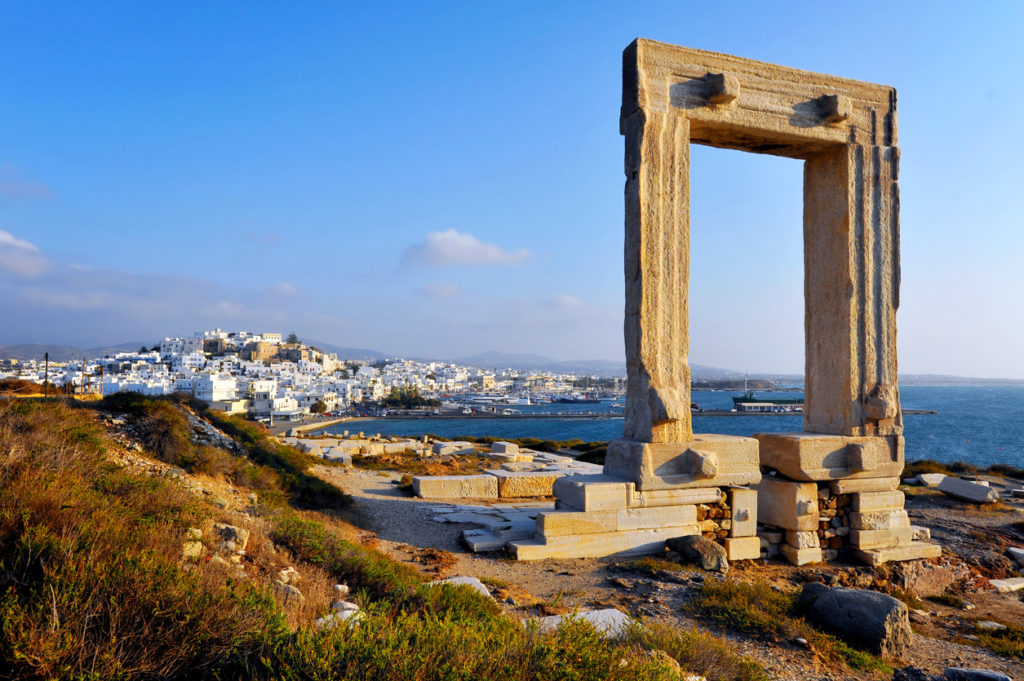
x=878, y=501
x=631, y=543
x=655, y=518
x=1005, y=586
x=515, y=484
x=931, y=479
x=456, y=486
x=744, y=512
x=967, y=490
x=812, y=456
x=787, y=504
x=705, y=461
x=743, y=548
x=879, y=520
x=912, y=551
x=676, y=497
x=858, y=485
x=918, y=533
x=770, y=536
x=570, y=523
x=800, y=556
x=881, y=539
x=592, y=492
x=802, y=540
x=504, y=448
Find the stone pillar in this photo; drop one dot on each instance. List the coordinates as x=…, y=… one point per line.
x=657, y=264
x=851, y=291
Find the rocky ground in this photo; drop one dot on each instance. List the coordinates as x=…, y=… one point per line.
x=974, y=538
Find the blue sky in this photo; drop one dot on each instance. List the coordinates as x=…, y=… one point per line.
x=445, y=179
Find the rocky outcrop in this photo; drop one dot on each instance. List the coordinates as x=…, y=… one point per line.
x=865, y=619
x=704, y=552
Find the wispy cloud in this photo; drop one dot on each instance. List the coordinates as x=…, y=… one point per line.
x=439, y=291
x=14, y=185
x=453, y=248
x=20, y=257
x=563, y=301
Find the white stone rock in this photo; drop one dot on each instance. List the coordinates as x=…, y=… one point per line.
x=931, y=479
x=1017, y=555
x=969, y=491
x=463, y=580
x=1005, y=586
x=610, y=623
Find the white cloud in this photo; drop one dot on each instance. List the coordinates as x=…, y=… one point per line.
x=20, y=257
x=440, y=291
x=451, y=247
x=564, y=301
x=14, y=186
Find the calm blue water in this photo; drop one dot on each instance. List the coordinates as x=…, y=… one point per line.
x=978, y=424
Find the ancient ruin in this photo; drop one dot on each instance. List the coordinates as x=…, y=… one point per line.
x=816, y=492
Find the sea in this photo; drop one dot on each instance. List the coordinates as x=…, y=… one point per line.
x=978, y=424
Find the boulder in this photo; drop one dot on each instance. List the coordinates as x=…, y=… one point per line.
x=462, y=580
x=192, y=550
x=230, y=533
x=963, y=674
x=864, y=619
x=704, y=552
x=1017, y=555
x=287, y=595
x=968, y=491
x=289, y=575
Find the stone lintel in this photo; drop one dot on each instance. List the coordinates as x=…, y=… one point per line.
x=859, y=485
x=814, y=456
x=630, y=543
x=705, y=461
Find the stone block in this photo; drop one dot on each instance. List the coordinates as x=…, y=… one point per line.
x=787, y=504
x=802, y=540
x=504, y=448
x=743, y=548
x=705, y=461
x=813, y=456
x=456, y=486
x=744, y=512
x=631, y=543
x=968, y=491
x=593, y=492
x=570, y=523
x=1017, y=555
x=770, y=536
x=881, y=539
x=918, y=533
x=878, y=501
x=931, y=479
x=800, y=556
x=676, y=497
x=519, y=484
x=913, y=551
x=1005, y=586
x=655, y=518
x=609, y=623
x=462, y=580
x=879, y=520
x=859, y=485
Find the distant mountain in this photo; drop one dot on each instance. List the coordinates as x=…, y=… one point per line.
x=942, y=379
x=347, y=353
x=64, y=353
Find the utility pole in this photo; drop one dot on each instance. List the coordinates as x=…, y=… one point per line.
x=83, y=376
x=101, y=380
x=46, y=375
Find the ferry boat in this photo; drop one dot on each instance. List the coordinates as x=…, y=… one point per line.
x=575, y=398
x=750, y=404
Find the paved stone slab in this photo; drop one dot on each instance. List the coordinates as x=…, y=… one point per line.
x=968, y=491
x=456, y=486
x=912, y=551
x=704, y=461
x=883, y=539
x=813, y=456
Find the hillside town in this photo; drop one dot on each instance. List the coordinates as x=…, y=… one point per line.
x=268, y=376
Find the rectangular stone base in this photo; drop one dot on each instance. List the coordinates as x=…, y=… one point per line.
x=801, y=556
x=706, y=461
x=628, y=543
x=517, y=485
x=592, y=492
x=743, y=548
x=912, y=551
x=456, y=486
x=812, y=456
